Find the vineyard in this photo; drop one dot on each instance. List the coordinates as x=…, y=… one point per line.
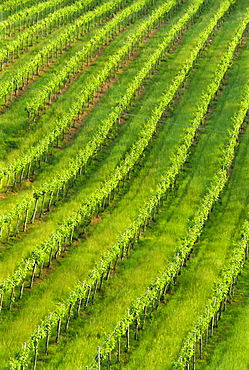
x=124, y=184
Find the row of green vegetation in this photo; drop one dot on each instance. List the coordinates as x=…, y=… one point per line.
x=114, y=237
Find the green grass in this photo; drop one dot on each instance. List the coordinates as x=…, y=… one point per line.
x=147, y=261
x=128, y=134
x=17, y=134
x=117, y=152
x=228, y=348
x=159, y=344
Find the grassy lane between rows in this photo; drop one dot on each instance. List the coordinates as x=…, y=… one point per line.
x=4, y=42
x=20, y=248
x=160, y=345
x=72, y=279
x=16, y=136
x=148, y=257
x=228, y=348
x=5, y=37
x=62, y=105
x=129, y=132
x=154, y=251
x=26, y=241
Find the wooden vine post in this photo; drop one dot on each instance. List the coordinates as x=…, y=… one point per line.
x=128, y=335
x=99, y=359
x=58, y=331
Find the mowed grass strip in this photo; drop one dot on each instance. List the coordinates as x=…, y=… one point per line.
x=13, y=134
x=21, y=248
x=5, y=264
x=27, y=16
x=61, y=107
x=157, y=252
x=152, y=254
x=160, y=345
x=228, y=349
x=120, y=224
x=9, y=254
x=34, y=238
x=5, y=41
x=59, y=18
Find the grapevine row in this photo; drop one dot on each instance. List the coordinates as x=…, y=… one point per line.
x=10, y=7
x=13, y=4
x=102, y=195
x=135, y=317
x=71, y=67
x=53, y=188
x=35, y=154
x=223, y=289
x=56, y=19
x=28, y=71
x=63, y=181
x=217, y=303
x=23, y=15
x=82, y=292
x=85, y=292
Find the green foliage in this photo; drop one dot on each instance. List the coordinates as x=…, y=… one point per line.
x=100, y=197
